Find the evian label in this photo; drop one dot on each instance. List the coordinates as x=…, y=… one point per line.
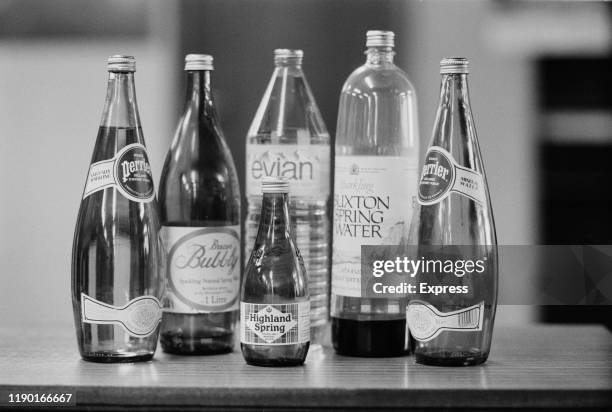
x=202, y=269
x=129, y=171
x=441, y=176
x=373, y=205
x=305, y=166
x=278, y=324
x=426, y=322
x=139, y=317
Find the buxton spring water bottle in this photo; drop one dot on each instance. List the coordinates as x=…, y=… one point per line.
x=117, y=279
x=376, y=161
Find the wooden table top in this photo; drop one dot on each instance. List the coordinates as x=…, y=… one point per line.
x=531, y=367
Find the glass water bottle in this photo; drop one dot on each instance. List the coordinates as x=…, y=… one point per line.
x=455, y=220
x=117, y=280
x=275, y=306
x=376, y=161
x=199, y=197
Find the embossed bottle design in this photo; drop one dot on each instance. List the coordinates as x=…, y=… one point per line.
x=289, y=139
x=117, y=282
x=199, y=198
x=274, y=302
x=376, y=179
x=455, y=219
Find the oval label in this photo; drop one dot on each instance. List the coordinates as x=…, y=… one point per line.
x=133, y=173
x=437, y=176
x=204, y=270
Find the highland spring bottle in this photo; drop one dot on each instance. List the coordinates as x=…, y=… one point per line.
x=376, y=180
x=456, y=219
x=289, y=139
x=117, y=256
x=199, y=197
x=274, y=302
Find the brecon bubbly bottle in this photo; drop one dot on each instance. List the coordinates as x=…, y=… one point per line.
x=117, y=279
x=274, y=302
x=455, y=219
x=288, y=139
x=376, y=179
x=199, y=198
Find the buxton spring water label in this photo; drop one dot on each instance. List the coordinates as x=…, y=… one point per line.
x=305, y=166
x=202, y=269
x=441, y=176
x=128, y=171
x=139, y=317
x=278, y=324
x=426, y=322
x=373, y=204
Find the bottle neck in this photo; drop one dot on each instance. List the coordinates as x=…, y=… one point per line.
x=275, y=223
x=454, y=88
x=120, y=107
x=379, y=56
x=199, y=92
x=454, y=117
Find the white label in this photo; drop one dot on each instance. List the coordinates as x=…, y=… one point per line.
x=279, y=324
x=426, y=322
x=441, y=176
x=139, y=317
x=203, y=269
x=305, y=166
x=373, y=205
x=128, y=171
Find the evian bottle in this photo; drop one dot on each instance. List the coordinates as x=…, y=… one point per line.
x=454, y=329
x=376, y=180
x=274, y=302
x=288, y=139
x=199, y=199
x=117, y=282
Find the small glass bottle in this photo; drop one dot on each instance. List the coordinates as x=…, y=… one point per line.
x=453, y=329
x=117, y=256
x=288, y=138
x=274, y=302
x=199, y=198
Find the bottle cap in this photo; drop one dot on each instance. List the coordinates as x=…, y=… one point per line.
x=380, y=38
x=450, y=65
x=274, y=185
x=121, y=63
x=199, y=62
x=287, y=55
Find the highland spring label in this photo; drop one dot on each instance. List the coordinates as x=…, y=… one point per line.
x=203, y=269
x=278, y=324
x=372, y=206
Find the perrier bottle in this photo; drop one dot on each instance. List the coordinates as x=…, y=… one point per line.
x=117, y=253
x=455, y=225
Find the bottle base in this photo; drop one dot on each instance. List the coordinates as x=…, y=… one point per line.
x=105, y=357
x=370, y=338
x=451, y=358
x=275, y=356
x=177, y=343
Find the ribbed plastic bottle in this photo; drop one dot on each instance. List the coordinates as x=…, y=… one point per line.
x=288, y=139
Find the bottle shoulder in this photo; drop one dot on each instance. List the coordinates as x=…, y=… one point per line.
x=372, y=78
